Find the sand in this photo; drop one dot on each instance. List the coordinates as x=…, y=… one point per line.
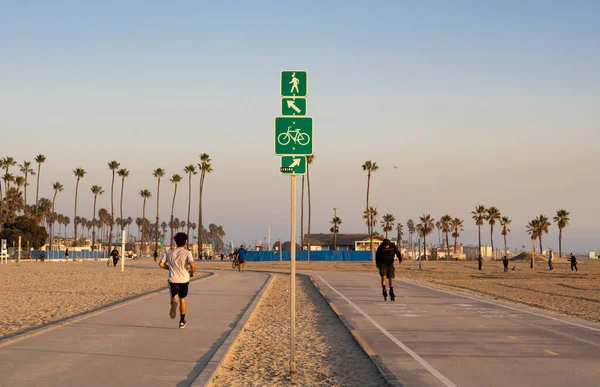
x=327, y=355
x=37, y=293
x=560, y=290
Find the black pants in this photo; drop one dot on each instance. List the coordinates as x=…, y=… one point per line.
x=505, y=268
x=480, y=264
x=550, y=265
x=574, y=266
x=115, y=261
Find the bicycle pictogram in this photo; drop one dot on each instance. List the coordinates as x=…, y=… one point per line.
x=293, y=135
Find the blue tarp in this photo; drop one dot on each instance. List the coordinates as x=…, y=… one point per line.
x=364, y=256
x=84, y=254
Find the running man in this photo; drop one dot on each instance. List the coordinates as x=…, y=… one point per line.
x=115, y=256
x=384, y=259
x=505, y=263
x=241, y=258
x=573, y=261
x=550, y=256
x=175, y=261
x=295, y=82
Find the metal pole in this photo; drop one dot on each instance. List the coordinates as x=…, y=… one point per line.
x=19, y=253
x=123, y=250
x=269, y=241
x=293, y=281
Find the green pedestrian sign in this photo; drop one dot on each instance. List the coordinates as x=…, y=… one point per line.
x=294, y=83
x=293, y=165
x=293, y=136
x=293, y=106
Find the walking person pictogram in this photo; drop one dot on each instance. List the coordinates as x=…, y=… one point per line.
x=295, y=82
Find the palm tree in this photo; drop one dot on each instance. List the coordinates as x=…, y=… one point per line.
x=562, y=220
x=8, y=162
x=205, y=167
x=370, y=215
x=410, y=224
x=123, y=173
x=158, y=173
x=492, y=215
x=190, y=170
x=26, y=170
x=335, y=229
x=113, y=166
x=387, y=223
x=96, y=190
x=66, y=222
x=543, y=225
x=129, y=221
x=175, y=179
x=57, y=187
x=39, y=159
x=457, y=227
x=60, y=219
x=479, y=217
x=425, y=228
x=309, y=161
x=145, y=194
x=369, y=167
x=446, y=221
x=79, y=174
x=399, y=235
x=438, y=225
x=193, y=226
x=533, y=231
x=505, y=222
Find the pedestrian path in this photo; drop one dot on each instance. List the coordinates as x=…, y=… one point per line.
x=136, y=344
x=436, y=337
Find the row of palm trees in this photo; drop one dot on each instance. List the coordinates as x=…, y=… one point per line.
x=17, y=202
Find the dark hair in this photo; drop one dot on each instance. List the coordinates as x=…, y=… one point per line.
x=386, y=242
x=180, y=239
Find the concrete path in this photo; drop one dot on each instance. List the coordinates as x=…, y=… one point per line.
x=432, y=337
x=136, y=344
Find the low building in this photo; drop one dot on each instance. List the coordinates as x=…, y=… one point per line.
x=344, y=242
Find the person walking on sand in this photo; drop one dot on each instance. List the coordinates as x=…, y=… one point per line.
x=573, y=261
x=505, y=263
x=384, y=260
x=241, y=255
x=550, y=266
x=67, y=255
x=155, y=255
x=115, y=256
x=175, y=261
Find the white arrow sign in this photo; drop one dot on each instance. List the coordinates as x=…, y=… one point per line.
x=292, y=105
x=296, y=163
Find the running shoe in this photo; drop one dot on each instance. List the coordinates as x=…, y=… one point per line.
x=182, y=324
x=173, y=311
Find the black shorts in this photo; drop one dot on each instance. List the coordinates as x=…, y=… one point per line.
x=241, y=260
x=180, y=290
x=387, y=271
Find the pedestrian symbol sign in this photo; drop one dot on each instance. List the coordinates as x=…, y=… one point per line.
x=294, y=83
x=293, y=136
x=293, y=106
x=293, y=165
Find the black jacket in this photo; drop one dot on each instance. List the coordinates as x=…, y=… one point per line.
x=386, y=256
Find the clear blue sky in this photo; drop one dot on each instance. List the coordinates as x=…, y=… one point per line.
x=476, y=102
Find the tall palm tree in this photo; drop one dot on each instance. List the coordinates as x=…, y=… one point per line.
x=492, y=215
x=309, y=161
x=66, y=222
x=96, y=190
x=446, y=221
x=190, y=170
x=205, y=167
x=129, y=221
x=8, y=163
x=370, y=215
x=438, y=226
x=193, y=226
x=533, y=230
x=335, y=229
x=113, y=166
x=410, y=224
x=369, y=167
x=387, y=223
x=57, y=187
x=543, y=225
x=479, y=216
x=158, y=173
x=505, y=222
x=123, y=173
x=145, y=194
x=562, y=220
x=175, y=179
x=79, y=174
x=39, y=159
x=26, y=170
x=425, y=228
x=60, y=219
x=457, y=227
x=400, y=233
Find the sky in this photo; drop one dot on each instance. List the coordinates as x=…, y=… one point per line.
x=475, y=102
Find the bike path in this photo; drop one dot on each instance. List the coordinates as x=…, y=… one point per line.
x=136, y=344
x=436, y=337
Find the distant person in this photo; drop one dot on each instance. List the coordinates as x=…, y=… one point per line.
x=479, y=262
x=505, y=263
x=67, y=254
x=384, y=259
x=155, y=255
x=222, y=256
x=205, y=255
x=115, y=256
x=550, y=266
x=241, y=255
x=573, y=261
x=175, y=261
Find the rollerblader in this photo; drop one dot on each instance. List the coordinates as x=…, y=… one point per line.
x=175, y=261
x=384, y=259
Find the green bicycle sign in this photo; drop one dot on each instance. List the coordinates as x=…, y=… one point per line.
x=293, y=136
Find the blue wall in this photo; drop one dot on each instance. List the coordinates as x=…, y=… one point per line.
x=358, y=256
x=84, y=254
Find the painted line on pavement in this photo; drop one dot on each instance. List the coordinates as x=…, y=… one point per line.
x=482, y=326
x=400, y=344
x=511, y=337
x=504, y=306
x=552, y=353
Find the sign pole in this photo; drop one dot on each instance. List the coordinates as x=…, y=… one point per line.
x=123, y=250
x=19, y=253
x=293, y=281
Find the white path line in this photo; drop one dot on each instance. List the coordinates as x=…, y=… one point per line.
x=400, y=344
x=504, y=306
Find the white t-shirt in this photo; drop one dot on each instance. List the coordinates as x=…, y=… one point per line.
x=177, y=260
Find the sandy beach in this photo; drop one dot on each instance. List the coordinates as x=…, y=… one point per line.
x=327, y=355
x=36, y=293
